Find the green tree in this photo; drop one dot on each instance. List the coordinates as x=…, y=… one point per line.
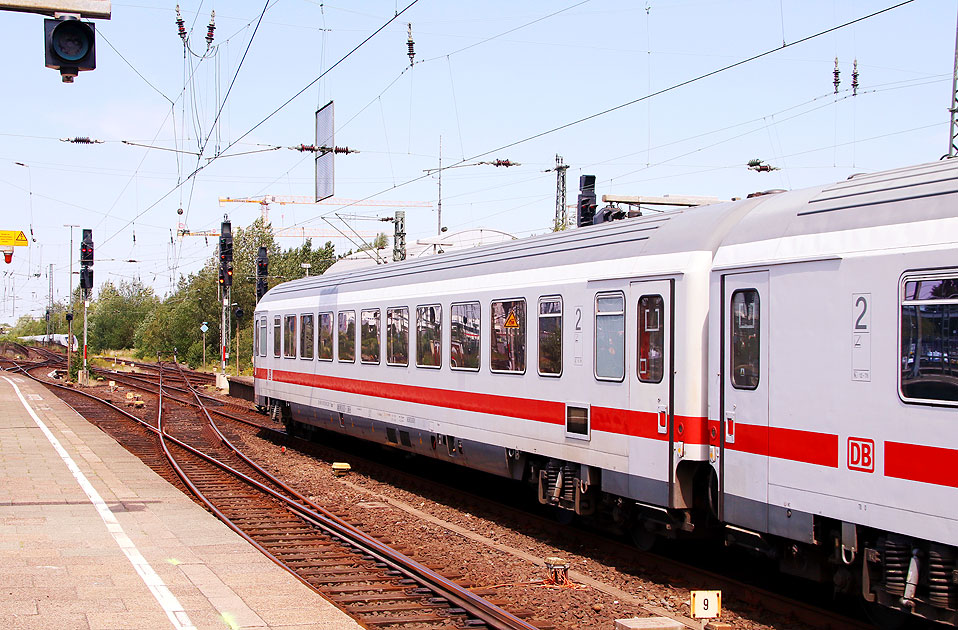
x=117, y=312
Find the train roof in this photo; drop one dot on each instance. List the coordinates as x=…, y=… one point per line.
x=905, y=195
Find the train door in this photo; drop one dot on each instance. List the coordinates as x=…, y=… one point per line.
x=650, y=376
x=743, y=460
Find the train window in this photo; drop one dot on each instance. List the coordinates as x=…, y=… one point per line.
x=508, y=350
x=325, y=337
x=429, y=335
x=464, y=336
x=256, y=336
x=745, y=339
x=306, y=336
x=262, y=337
x=610, y=336
x=651, y=327
x=369, y=336
x=347, y=336
x=277, y=335
x=550, y=336
x=577, y=420
x=929, y=338
x=289, y=337
x=397, y=336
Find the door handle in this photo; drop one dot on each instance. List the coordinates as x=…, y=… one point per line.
x=730, y=427
x=663, y=419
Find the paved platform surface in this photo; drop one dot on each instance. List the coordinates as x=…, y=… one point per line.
x=91, y=538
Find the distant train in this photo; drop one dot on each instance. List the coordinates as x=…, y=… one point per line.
x=780, y=371
x=52, y=339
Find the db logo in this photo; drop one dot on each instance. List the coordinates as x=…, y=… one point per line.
x=861, y=454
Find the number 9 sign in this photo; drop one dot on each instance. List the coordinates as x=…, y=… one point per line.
x=706, y=604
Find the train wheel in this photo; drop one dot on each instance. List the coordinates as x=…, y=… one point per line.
x=642, y=537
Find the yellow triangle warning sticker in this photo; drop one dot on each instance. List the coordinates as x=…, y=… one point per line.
x=9, y=238
x=511, y=321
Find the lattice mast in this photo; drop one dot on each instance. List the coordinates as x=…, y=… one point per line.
x=953, y=108
x=562, y=213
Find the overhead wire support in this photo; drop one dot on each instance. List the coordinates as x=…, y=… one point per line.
x=953, y=109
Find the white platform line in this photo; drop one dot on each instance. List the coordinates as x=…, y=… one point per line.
x=171, y=606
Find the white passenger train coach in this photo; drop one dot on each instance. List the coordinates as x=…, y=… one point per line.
x=780, y=371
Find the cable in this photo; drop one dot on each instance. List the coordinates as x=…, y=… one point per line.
x=236, y=74
x=689, y=81
x=632, y=102
x=132, y=67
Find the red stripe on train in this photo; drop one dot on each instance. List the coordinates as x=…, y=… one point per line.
x=927, y=464
x=803, y=446
x=526, y=409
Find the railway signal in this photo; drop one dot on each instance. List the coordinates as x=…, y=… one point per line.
x=226, y=254
x=86, y=263
x=586, y=205
x=69, y=46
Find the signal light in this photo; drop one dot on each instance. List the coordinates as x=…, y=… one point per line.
x=262, y=271
x=226, y=242
x=86, y=278
x=86, y=249
x=228, y=277
x=586, y=205
x=70, y=46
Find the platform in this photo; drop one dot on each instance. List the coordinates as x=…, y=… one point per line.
x=91, y=538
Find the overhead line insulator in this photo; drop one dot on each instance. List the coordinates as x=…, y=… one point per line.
x=835, y=76
x=210, y=28
x=410, y=46
x=180, y=24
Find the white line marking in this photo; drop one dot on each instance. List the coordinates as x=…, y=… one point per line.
x=171, y=606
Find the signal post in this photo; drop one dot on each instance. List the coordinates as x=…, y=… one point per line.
x=86, y=284
x=225, y=284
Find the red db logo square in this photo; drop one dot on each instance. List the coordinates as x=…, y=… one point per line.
x=861, y=454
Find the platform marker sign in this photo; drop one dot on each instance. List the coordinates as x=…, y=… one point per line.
x=706, y=604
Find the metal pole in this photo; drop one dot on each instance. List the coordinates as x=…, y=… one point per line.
x=953, y=105
x=237, y=347
x=86, y=303
x=439, y=203
x=223, y=334
x=204, y=349
x=70, y=289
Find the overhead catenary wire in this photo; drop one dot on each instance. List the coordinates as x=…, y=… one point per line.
x=640, y=99
x=273, y=113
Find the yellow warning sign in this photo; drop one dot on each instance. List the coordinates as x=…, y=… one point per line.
x=10, y=238
x=511, y=321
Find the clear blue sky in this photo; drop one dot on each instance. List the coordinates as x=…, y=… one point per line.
x=487, y=75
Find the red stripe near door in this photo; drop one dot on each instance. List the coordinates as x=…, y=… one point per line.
x=803, y=446
x=928, y=464
x=809, y=447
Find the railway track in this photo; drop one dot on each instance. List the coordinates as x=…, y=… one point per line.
x=308, y=566
x=379, y=586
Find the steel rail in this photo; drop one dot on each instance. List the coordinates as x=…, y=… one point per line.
x=476, y=606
